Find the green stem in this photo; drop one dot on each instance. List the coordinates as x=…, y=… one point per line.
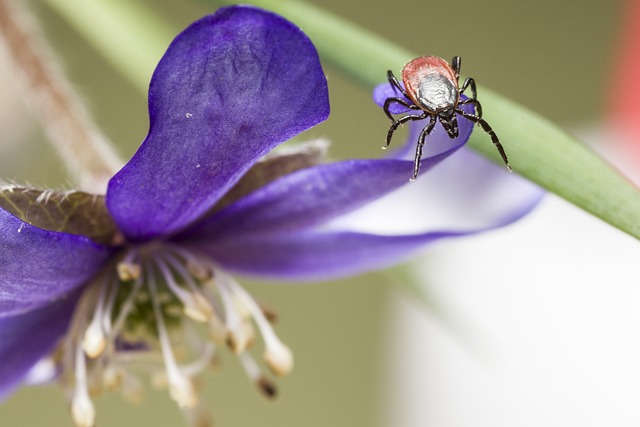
x=130, y=36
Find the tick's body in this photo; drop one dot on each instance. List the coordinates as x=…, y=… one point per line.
x=431, y=84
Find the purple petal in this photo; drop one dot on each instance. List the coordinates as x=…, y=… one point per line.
x=325, y=255
x=314, y=256
x=384, y=91
x=465, y=193
x=39, y=266
x=309, y=197
x=26, y=338
x=229, y=88
x=457, y=198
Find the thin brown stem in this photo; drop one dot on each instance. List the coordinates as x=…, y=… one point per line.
x=86, y=152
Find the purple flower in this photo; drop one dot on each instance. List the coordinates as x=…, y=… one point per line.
x=103, y=284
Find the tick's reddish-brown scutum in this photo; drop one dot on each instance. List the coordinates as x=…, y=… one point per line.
x=423, y=71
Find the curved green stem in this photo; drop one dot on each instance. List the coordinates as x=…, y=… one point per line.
x=130, y=36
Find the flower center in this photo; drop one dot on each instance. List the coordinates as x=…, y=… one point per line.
x=163, y=309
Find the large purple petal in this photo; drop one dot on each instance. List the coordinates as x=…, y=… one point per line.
x=314, y=256
x=26, y=338
x=466, y=192
x=324, y=255
x=39, y=266
x=229, y=88
x=463, y=196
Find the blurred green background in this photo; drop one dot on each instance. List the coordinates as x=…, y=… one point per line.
x=553, y=57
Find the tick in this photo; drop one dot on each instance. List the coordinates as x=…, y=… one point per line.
x=432, y=86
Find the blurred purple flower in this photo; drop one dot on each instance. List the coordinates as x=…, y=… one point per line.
x=199, y=199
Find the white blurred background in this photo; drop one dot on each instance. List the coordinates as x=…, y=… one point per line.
x=540, y=327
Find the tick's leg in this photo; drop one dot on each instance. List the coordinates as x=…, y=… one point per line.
x=426, y=131
x=389, y=101
x=394, y=82
x=456, y=62
x=489, y=130
x=469, y=82
x=450, y=124
x=475, y=102
x=397, y=123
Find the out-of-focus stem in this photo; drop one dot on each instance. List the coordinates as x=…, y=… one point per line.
x=132, y=38
x=86, y=152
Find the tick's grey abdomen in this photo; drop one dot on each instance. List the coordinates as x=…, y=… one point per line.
x=436, y=92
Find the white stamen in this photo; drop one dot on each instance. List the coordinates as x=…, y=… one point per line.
x=236, y=300
x=199, y=309
x=180, y=387
x=108, y=307
x=240, y=334
x=278, y=358
x=82, y=409
x=196, y=306
x=198, y=270
x=73, y=359
x=129, y=268
x=250, y=366
x=128, y=271
x=218, y=332
x=184, y=273
x=205, y=350
x=201, y=363
x=277, y=355
x=207, y=304
x=94, y=340
x=253, y=372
